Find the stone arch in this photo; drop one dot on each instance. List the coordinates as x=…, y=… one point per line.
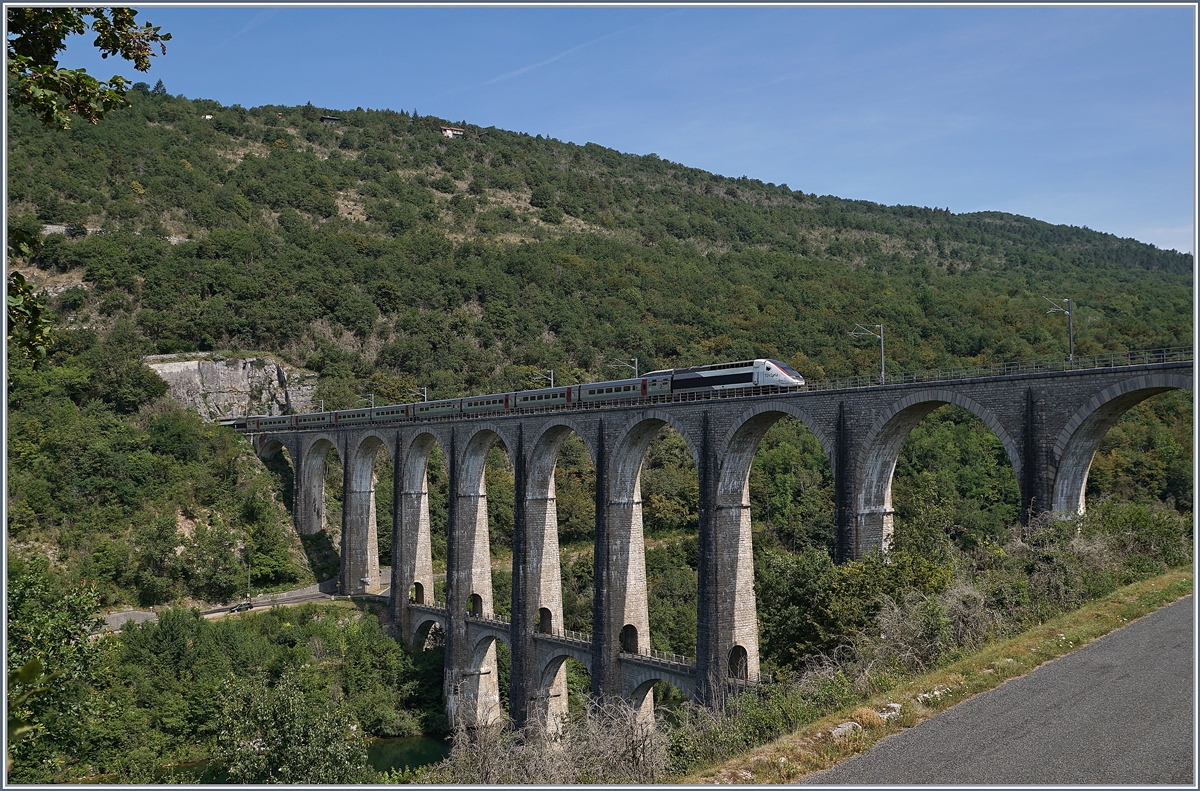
x=479, y=696
x=738, y=664
x=558, y=656
x=415, y=459
x=412, y=554
x=736, y=609
x=311, y=482
x=629, y=639
x=551, y=667
x=549, y=704
x=472, y=573
x=1080, y=438
x=426, y=623
x=542, y=570
x=417, y=593
x=474, y=454
x=741, y=441
x=622, y=585
x=630, y=448
x=880, y=449
x=551, y=434
x=267, y=445
x=642, y=697
x=360, y=542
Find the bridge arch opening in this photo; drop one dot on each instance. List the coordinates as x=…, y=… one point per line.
x=1079, y=441
x=657, y=694
x=545, y=621
x=1147, y=455
x=629, y=639
x=320, y=509
x=653, y=523
x=953, y=481
x=484, y=523
x=278, y=460
x=484, y=685
x=560, y=514
x=935, y=474
x=738, y=663
x=420, y=538
x=428, y=635
x=367, y=549
x=774, y=490
x=563, y=690
x=416, y=594
x=475, y=605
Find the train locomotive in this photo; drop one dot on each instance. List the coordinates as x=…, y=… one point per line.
x=722, y=376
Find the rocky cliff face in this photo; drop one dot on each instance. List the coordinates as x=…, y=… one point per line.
x=220, y=387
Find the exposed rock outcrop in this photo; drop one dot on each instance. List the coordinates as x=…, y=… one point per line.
x=219, y=387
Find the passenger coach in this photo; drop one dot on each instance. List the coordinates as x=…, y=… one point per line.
x=724, y=376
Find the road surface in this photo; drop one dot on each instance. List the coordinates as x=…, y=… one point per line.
x=320, y=592
x=1119, y=710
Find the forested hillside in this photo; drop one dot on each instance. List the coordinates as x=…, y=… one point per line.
x=388, y=257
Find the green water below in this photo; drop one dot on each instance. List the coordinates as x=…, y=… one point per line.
x=410, y=751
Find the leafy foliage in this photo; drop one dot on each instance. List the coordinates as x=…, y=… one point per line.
x=283, y=695
x=137, y=494
x=275, y=735
x=28, y=327
x=37, y=35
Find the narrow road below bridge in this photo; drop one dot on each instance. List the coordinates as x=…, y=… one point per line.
x=1117, y=711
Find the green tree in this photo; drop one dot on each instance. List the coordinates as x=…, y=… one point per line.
x=49, y=625
x=275, y=735
x=28, y=327
x=37, y=35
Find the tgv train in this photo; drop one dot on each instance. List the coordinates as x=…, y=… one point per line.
x=748, y=373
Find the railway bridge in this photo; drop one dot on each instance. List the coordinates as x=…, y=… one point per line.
x=1049, y=416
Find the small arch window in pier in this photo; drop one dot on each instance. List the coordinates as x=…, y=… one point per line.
x=629, y=639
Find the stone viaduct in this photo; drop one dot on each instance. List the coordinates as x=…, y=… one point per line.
x=1050, y=423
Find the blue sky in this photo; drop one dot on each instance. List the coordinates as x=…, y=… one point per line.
x=1078, y=115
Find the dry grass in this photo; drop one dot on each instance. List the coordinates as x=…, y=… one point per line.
x=607, y=743
x=812, y=748
x=867, y=717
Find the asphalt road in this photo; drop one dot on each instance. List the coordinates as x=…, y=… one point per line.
x=320, y=592
x=1119, y=710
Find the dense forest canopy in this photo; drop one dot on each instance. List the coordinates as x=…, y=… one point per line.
x=387, y=257
x=377, y=244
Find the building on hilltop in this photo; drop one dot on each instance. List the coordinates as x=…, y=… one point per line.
x=330, y=119
x=452, y=131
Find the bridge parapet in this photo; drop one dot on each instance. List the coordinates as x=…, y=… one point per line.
x=1019, y=368
x=664, y=658
x=565, y=636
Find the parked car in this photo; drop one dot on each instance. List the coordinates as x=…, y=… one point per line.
x=241, y=607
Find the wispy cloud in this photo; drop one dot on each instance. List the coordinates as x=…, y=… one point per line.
x=576, y=48
x=261, y=17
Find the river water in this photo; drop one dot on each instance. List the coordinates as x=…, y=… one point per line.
x=410, y=751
